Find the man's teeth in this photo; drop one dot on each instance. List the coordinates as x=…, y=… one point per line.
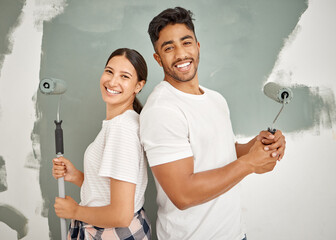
x=183, y=65
x=112, y=91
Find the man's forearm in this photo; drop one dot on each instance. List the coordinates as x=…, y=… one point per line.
x=243, y=149
x=213, y=183
x=187, y=189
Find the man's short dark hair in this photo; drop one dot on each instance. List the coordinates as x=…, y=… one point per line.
x=170, y=16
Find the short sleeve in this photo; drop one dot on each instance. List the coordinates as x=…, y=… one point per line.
x=164, y=134
x=122, y=154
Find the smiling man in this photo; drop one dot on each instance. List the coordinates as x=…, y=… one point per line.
x=187, y=135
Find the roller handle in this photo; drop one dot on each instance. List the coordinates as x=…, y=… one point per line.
x=61, y=193
x=59, y=138
x=271, y=130
x=61, y=188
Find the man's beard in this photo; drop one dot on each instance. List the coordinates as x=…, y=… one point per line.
x=175, y=76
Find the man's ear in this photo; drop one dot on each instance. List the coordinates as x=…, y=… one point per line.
x=157, y=58
x=139, y=86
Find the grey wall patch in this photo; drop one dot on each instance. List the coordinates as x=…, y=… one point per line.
x=33, y=159
x=9, y=18
x=326, y=106
x=3, y=175
x=14, y=219
x=310, y=108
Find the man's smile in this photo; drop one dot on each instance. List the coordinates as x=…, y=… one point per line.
x=183, y=66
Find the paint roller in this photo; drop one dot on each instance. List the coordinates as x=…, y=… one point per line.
x=279, y=94
x=53, y=86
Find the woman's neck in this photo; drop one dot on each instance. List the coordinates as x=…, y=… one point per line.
x=113, y=111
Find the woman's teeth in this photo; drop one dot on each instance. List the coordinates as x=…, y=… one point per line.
x=112, y=91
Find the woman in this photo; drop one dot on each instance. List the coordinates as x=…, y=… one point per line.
x=115, y=174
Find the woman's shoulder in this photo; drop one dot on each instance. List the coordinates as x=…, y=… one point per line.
x=127, y=120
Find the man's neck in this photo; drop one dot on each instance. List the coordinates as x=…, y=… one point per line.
x=191, y=87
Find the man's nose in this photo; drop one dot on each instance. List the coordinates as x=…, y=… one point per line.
x=180, y=52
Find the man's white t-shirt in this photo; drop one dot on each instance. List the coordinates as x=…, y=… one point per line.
x=176, y=125
x=115, y=153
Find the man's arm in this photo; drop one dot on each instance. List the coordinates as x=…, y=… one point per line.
x=183, y=186
x=186, y=188
x=243, y=149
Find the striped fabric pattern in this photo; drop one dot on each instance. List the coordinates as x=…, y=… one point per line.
x=115, y=153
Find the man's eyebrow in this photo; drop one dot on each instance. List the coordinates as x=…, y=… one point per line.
x=186, y=37
x=166, y=43
x=181, y=39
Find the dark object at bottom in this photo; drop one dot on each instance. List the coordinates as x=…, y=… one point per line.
x=271, y=130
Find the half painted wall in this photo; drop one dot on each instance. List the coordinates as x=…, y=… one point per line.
x=243, y=45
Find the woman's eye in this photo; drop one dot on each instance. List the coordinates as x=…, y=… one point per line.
x=108, y=71
x=125, y=76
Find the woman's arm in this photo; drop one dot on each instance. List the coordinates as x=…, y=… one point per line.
x=119, y=213
x=62, y=167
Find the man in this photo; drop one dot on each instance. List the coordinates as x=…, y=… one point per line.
x=187, y=135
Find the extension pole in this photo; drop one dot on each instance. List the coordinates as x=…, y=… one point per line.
x=59, y=153
x=272, y=129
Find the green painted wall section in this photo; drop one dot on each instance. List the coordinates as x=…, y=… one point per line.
x=10, y=11
x=14, y=219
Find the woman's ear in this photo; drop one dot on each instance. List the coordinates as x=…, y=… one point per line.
x=139, y=86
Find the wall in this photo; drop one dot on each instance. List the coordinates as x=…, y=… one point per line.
x=243, y=45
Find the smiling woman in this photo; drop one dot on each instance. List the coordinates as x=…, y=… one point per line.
x=115, y=175
x=124, y=76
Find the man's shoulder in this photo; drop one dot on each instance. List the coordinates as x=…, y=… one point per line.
x=210, y=91
x=160, y=105
x=160, y=96
x=213, y=94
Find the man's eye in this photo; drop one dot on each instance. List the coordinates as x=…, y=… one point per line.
x=168, y=49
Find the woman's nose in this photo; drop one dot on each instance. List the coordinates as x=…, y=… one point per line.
x=113, y=81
